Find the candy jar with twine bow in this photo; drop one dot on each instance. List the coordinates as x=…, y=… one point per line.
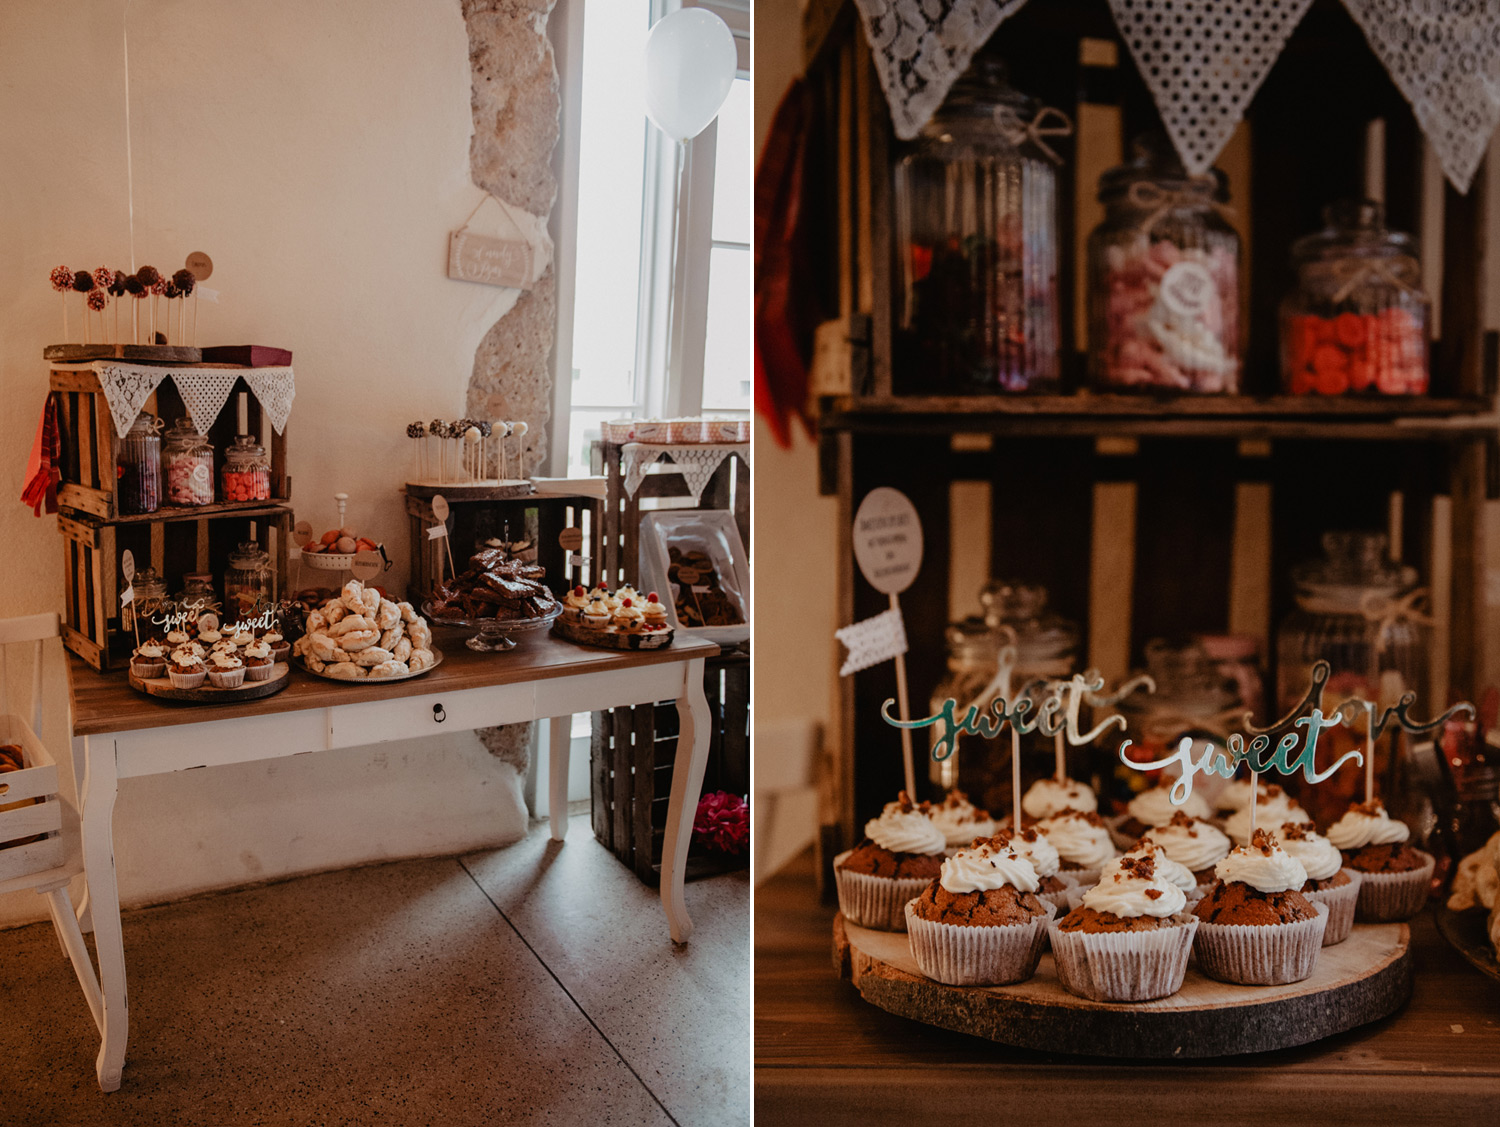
x=1163, y=269
x=976, y=206
x=1365, y=615
x=1357, y=322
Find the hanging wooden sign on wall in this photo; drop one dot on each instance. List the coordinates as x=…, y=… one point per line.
x=509, y=260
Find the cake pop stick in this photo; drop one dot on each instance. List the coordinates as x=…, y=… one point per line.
x=62, y=282
x=149, y=276
x=471, y=451
x=186, y=284
x=83, y=282
x=96, y=302
x=485, y=430
x=520, y=430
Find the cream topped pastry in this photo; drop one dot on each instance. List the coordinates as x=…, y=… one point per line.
x=243, y=638
x=150, y=652
x=1367, y=823
x=1316, y=854
x=960, y=820
x=186, y=659
x=272, y=638
x=628, y=616
x=577, y=599
x=224, y=644
x=260, y=651
x=178, y=637
x=904, y=828
x=209, y=637
x=988, y=866
x=1180, y=875
x=1272, y=808
x=1047, y=797
x=1235, y=795
x=653, y=610
x=1155, y=807
x=1192, y=842
x=1263, y=865
x=1134, y=885
x=1032, y=844
x=597, y=613
x=1079, y=837
x=225, y=659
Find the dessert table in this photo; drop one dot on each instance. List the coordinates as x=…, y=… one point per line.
x=119, y=733
x=824, y=1055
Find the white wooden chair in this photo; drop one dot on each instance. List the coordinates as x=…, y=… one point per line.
x=47, y=865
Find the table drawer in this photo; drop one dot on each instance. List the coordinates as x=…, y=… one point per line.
x=405, y=718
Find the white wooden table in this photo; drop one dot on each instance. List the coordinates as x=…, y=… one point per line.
x=118, y=734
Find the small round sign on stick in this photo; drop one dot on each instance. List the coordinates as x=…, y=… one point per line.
x=440, y=510
x=366, y=566
x=127, y=566
x=440, y=507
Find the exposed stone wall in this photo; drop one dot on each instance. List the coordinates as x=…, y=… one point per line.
x=515, y=105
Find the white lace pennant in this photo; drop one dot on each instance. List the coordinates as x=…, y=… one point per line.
x=204, y=393
x=1444, y=57
x=275, y=388
x=126, y=389
x=696, y=463
x=872, y=641
x=1203, y=60
x=920, y=47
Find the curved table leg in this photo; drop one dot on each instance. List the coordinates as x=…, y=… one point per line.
x=97, y=802
x=687, y=781
x=561, y=737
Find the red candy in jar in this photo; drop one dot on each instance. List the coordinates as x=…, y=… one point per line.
x=247, y=471
x=1357, y=321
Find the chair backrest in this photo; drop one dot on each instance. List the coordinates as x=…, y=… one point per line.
x=34, y=628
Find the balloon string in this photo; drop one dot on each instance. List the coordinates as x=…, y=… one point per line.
x=129, y=162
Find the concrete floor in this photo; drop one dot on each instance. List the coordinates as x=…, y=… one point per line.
x=533, y=984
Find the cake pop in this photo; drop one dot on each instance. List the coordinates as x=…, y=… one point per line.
x=83, y=282
x=471, y=451
x=419, y=432
x=184, y=281
x=117, y=291
x=136, y=289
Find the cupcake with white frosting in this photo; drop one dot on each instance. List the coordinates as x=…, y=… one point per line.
x=1053, y=885
x=226, y=670
x=1195, y=844
x=573, y=604
x=1047, y=797
x=901, y=852
x=980, y=922
x=1328, y=881
x=1082, y=840
x=1395, y=877
x=1235, y=795
x=1255, y=926
x=960, y=820
x=1273, y=807
x=1154, y=807
x=185, y=669
x=149, y=661
x=1130, y=936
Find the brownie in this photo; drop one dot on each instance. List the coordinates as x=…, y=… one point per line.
x=867, y=857
x=1338, y=880
x=1397, y=857
x=989, y=908
x=1088, y=919
x=1238, y=903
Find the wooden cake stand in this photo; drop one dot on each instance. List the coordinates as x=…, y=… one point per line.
x=207, y=693
x=1360, y=980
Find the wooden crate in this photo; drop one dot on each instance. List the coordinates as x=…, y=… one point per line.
x=31, y=838
x=90, y=447
x=183, y=542
x=472, y=521
x=632, y=757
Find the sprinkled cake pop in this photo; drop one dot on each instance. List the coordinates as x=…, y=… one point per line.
x=104, y=277
x=62, y=279
x=97, y=300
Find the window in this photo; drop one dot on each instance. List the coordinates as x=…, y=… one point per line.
x=661, y=262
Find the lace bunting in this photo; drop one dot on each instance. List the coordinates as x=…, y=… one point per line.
x=696, y=463
x=204, y=391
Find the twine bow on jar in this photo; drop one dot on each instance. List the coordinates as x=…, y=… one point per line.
x=1048, y=122
x=1351, y=273
x=1144, y=195
x=1385, y=613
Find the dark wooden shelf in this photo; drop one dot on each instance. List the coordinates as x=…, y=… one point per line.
x=173, y=513
x=1238, y=416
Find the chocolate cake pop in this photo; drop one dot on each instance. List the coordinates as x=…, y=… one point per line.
x=417, y=431
x=83, y=281
x=62, y=279
x=148, y=275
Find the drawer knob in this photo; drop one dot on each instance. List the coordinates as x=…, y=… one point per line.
x=438, y=714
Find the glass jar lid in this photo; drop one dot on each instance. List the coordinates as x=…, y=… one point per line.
x=147, y=582
x=183, y=436
x=984, y=110
x=249, y=556
x=1354, y=564
x=1354, y=228
x=245, y=449
x=146, y=425
x=1039, y=634
x=1153, y=160
x=972, y=644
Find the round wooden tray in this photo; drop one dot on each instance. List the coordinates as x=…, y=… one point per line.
x=437, y=660
x=1360, y=980
x=611, y=639
x=206, y=693
x=1466, y=933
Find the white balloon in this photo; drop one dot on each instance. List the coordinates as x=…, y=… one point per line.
x=690, y=65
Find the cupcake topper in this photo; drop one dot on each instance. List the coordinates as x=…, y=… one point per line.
x=127, y=596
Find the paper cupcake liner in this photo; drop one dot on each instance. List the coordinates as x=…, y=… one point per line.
x=229, y=679
x=1387, y=897
x=280, y=653
x=1082, y=878
x=1122, y=841
x=259, y=672
x=1126, y=966
x=877, y=902
x=1261, y=955
x=1341, y=902
x=976, y=955
x=186, y=680
x=148, y=672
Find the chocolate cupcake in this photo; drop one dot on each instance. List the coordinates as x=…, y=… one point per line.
x=1273, y=807
x=226, y=670
x=149, y=661
x=1328, y=881
x=257, y=661
x=1395, y=878
x=185, y=669
x=901, y=853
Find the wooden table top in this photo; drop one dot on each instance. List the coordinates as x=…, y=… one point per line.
x=823, y=1055
x=105, y=702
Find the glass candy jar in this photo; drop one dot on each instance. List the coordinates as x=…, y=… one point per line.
x=187, y=460
x=149, y=603
x=1357, y=611
x=247, y=471
x=1163, y=270
x=973, y=659
x=977, y=241
x=1357, y=321
x=247, y=583
x=138, y=467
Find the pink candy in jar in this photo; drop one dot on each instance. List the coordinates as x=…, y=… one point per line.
x=1163, y=284
x=187, y=461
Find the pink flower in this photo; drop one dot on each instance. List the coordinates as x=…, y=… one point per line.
x=722, y=822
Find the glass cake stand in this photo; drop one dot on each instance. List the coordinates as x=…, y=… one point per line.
x=494, y=634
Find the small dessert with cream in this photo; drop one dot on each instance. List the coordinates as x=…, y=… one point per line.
x=1193, y=843
x=960, y=820
x=226, y=670
x=1273, y=807
x=654, y=613
x=1235, y=795
x=1256, y=927
x=1082, y=840
x=1154, y=807
x=258, y=662
x=281, y=649
x=1328, y=882
x=148, y=661
x=1130, y=937
x=1047, y=797
x=1394, y=875
x=628, y=616
x=980, y=921
x=597, y=613
x=573, y=606
x=902, y=850
x=209, y=638
x=185, y=669
x=1032, y=844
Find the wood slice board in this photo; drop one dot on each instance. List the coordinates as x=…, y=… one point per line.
x=471, y=490
x=207, y=694
x=144, y=353
x=1358, y=981
x=1467, y=933
x=611, y=639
